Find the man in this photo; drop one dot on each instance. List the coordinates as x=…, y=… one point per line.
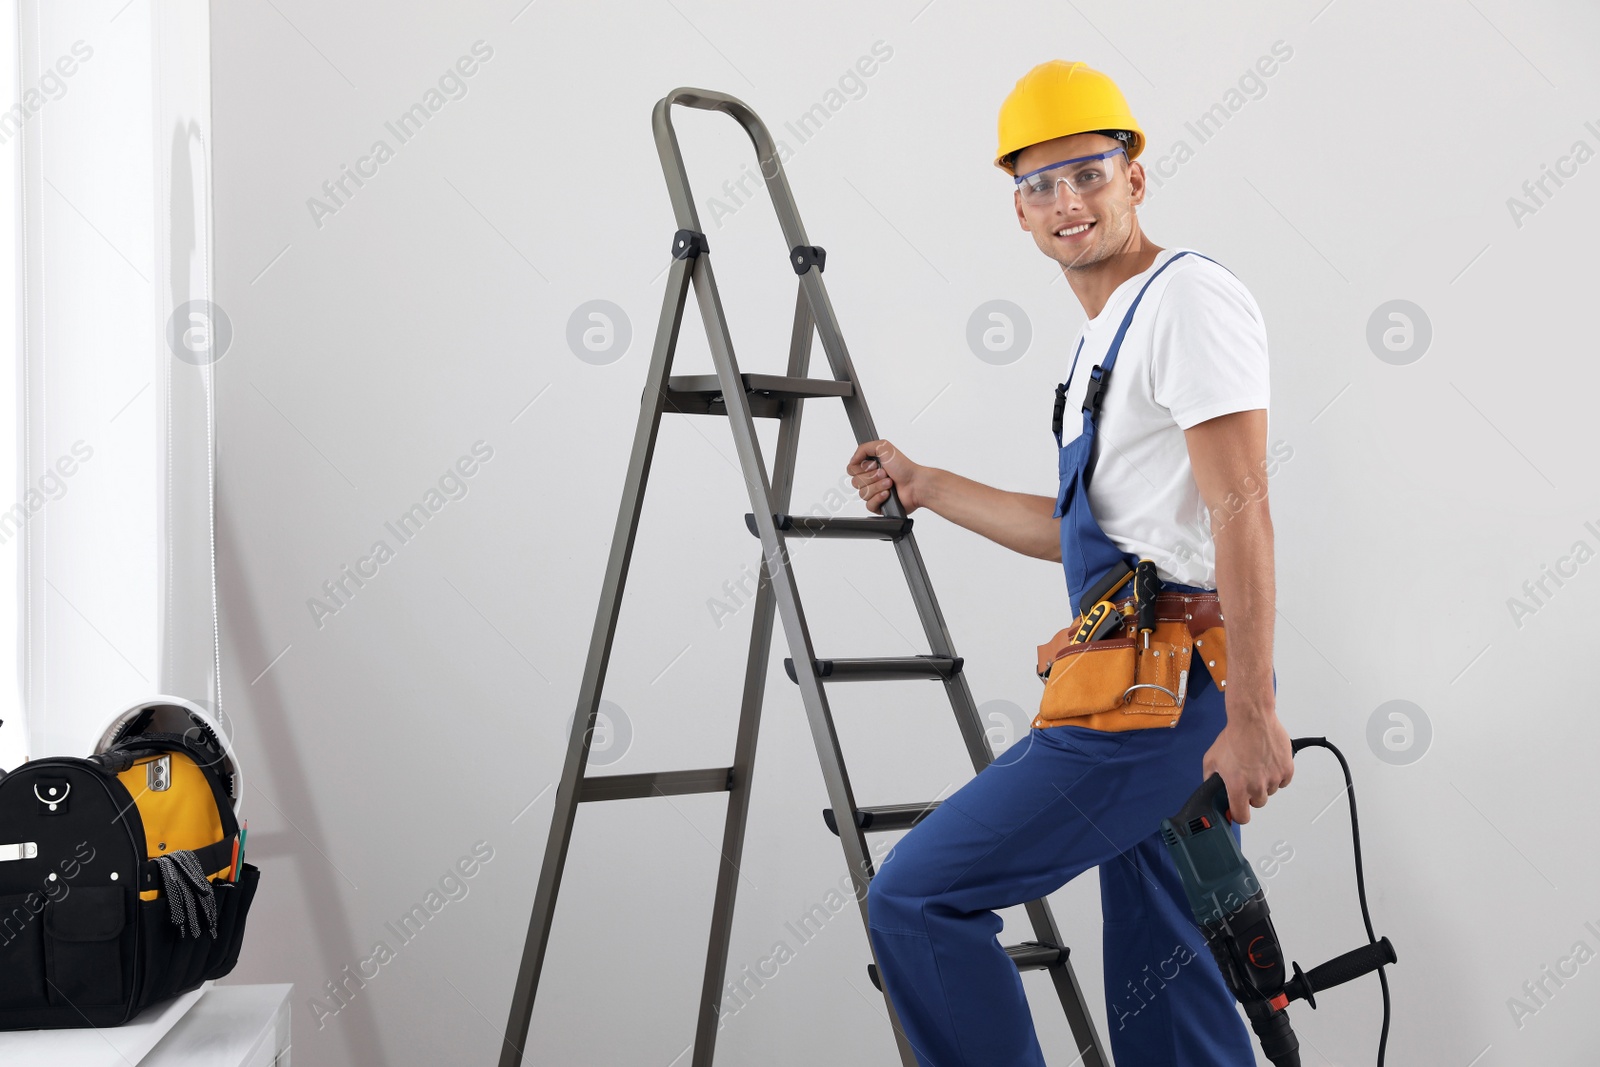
x=1178, y=481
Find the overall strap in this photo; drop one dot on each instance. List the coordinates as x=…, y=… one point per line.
x=1101, y=372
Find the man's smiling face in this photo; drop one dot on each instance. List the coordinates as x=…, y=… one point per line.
x=1081, y=231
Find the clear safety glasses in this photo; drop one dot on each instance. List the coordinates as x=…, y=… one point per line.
x=1083, y=175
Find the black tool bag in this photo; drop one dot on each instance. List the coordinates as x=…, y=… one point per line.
x=117, y=887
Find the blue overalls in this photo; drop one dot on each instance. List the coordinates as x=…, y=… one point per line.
x=1024, y=826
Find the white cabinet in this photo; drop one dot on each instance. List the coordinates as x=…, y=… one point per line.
x=213, y=1026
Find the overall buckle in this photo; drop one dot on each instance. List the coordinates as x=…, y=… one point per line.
x=1098, y=376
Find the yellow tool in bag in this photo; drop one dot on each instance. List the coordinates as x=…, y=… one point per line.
x=1136, y=681
x=177, y=807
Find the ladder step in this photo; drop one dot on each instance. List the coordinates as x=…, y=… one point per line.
x=884, y=817
x=1028, y=956
x=885, y=528
x=1036, y=955
x=767, y=394
x=655, y=783
x=881, y=668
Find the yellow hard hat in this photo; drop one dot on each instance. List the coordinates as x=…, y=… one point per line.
x=1057, y=99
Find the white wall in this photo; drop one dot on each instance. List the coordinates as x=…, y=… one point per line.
x=377, y=344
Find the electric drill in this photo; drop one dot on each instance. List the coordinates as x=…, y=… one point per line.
x=1230, y=908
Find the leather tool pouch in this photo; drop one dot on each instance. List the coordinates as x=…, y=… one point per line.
x=1162, y=672
x=1118, y=675
x=1089, y=677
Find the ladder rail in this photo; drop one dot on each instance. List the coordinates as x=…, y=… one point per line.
x=766, y=153
x=906, y=551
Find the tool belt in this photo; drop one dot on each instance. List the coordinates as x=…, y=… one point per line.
x=1135, y=681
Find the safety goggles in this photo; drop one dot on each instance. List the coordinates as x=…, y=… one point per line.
x=1083, y=175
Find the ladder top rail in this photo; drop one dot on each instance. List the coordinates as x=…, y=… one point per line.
x=677, y=176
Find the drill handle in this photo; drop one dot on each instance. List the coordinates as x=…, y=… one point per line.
x=1339, y=970
x=1212, y=796
x=1210, y=799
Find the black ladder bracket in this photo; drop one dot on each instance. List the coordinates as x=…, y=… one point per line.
x=803, y=257
x=687, y=244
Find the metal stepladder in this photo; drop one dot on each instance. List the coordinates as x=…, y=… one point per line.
x=742, y=397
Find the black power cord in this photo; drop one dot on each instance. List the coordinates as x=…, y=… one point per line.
x=1361, y=881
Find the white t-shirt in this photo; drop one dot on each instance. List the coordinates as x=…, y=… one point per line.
x=1196, y=349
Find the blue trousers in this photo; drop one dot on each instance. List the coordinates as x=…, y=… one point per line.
x=1059, y=801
